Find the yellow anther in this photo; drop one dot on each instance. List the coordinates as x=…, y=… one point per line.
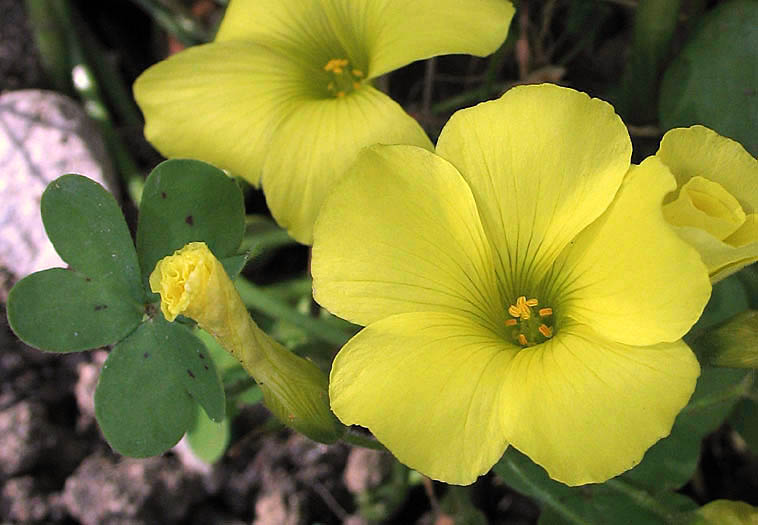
x=357, y=73
x=335, y=65
x=545, y=330
x=522, y=308
x=545, y=312
x=514, y=311
x=522, y=340
x=340, y=93
x=356, y=85
x=511, y=322
x=530, y=302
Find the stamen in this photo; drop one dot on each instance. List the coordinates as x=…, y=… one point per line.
x=511, y=322
x=515, y=311
x=545, y=312
x=357, y=73
x=531, y=302
x=545, y=330
x=522, y=340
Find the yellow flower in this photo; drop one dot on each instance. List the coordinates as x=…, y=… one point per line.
x=520, y=287
x=193, y=283
x=283, y=97
x=727, y=512
x=715, y=207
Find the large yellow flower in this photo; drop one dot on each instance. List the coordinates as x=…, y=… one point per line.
x=715, y=207
x=519, y=287
x=283, y=97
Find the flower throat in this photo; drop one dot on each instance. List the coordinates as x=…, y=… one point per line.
x=526, y=328
x=344, y=79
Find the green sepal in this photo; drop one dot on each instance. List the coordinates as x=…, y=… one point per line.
x=188, y=200
x=88, y=230
x=61, y=310
x=713, y=80
x=144, y=398
x=733, y=343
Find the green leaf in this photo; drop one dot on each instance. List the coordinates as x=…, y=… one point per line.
x=615, y=501
x=89, y=232
x=144, y=399
x=207, y=438
x=184, y=201
x=64, y=311
x=714, y=79
x=671, y=462
x=233, y=265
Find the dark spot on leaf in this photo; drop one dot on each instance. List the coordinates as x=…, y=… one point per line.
x=99, y=307
x=205, y=366
x=189, y=373
x=87, y=279
x=163, y=195
x=189, y=220
x=145, y=355
x=201, y=356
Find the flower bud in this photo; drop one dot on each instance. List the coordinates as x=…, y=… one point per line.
x=193, y=283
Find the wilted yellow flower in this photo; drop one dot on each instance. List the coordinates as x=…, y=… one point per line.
x=520, y=287
x=727, y=512
x=193, y=283
x=283, y=97
x=715, y=206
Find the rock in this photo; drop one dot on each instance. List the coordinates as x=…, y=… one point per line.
x=366, y=469
x=22, y=502
x=43, y=135
x=89, y=373
x=133, y=491
x=25, y=435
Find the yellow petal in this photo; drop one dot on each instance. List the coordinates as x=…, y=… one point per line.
x=723, y=258
x=385, y=34
x=543, y=162
x=628, y=275
x=706, y=205
x=426, y=385
x=220, y=103
x=586, y=409
x=314, y=146
x=398, y=32
x=699, y=151
x=401, y=233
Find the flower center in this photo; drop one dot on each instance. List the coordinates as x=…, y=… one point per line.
x=344, y=79
x=528, y=329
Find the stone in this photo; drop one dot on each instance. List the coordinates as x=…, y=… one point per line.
x=25, y=436
x=43, y=135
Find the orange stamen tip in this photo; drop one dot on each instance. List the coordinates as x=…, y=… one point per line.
x=340, y=93
x=545, y=330
x=357, y=73
x=545, y=312
x=511, y=322
x=522, y=340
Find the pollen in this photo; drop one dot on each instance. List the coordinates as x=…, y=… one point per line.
x=342, y=79
x=526, y=328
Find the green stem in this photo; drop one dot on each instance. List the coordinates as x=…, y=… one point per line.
x=87, y=87
x=644, y=500
x=176, y=22
x=50, y=37
x=257, y=299
x=362, y=440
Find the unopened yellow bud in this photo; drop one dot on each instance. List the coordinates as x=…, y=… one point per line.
x=193, y=283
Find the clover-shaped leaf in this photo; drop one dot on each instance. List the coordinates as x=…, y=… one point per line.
x=157, y=371
x=184, y=201
x=144, y=398
x=101, y=300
